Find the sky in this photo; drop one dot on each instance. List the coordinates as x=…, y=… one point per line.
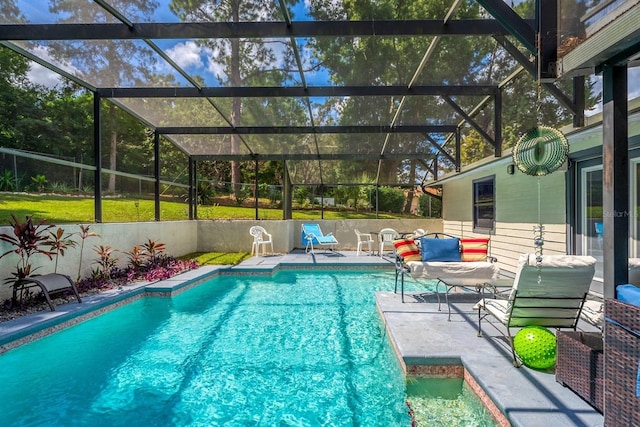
x=195, y=59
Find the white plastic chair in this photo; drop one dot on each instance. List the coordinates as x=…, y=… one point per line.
x=364, y=239
x=386, y=236
x=261, y=239
x=418, y=232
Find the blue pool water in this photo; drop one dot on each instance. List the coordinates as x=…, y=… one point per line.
x=295, y=349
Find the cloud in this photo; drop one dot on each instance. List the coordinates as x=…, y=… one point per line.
x=40, y=75
x=186, y=55
x=633, y=88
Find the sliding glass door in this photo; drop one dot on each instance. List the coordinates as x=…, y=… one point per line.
x=591, y=214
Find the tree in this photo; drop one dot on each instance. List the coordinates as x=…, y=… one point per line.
x=20, y=118
x=241, y=61
x=106, y=63
x=392, y=61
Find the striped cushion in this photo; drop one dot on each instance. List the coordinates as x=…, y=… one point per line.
x=407, y=249
x=474, y=249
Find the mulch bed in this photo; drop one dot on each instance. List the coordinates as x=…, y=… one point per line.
x=38, y=303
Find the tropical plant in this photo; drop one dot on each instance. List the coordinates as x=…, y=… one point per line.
x=59, y=242
x=137, y=256
x=28, y=239
x=40, y=181
x=106, y=260
x=59, y=187
x=7, y=181
x=85, y=233
x=154, y=248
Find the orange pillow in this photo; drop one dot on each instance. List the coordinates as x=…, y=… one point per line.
x=474, y=249
x=407, y=249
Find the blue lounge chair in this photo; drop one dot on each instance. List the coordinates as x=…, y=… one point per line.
x=312, y=235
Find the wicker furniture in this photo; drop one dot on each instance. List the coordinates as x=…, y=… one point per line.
x=580, y=365
x=622, y=348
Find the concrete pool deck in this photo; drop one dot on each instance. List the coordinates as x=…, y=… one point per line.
x=418, y=331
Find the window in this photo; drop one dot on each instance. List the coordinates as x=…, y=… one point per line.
x=484, y=204
x=591, y=213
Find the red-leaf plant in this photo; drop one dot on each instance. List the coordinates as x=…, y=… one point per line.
x=60, y=242
x=28, y=239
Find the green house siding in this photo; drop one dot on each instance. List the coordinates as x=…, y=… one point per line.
x=516, y=211
x=516, y=196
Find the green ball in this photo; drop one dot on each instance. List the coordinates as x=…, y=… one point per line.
x=536, y=347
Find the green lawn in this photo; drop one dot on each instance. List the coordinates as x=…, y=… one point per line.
x=68, y=209
x=218, y=258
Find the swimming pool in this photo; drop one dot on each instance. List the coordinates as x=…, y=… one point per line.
x=296, y=348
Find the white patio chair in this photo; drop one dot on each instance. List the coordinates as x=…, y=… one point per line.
x=418, y=232
x=364, y=239
x=386, y=236
x=261, y=239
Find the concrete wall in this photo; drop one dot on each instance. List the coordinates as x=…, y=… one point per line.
x=183, y=237
x=233, y=236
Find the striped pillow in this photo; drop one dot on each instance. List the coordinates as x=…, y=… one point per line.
x=407, y=249
x=474, y=249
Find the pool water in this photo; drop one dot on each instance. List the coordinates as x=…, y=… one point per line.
x=295, y=349
x=299, y=348
x=446, y=402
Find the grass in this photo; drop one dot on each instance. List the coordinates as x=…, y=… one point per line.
x=217, y=258
x=69, y=209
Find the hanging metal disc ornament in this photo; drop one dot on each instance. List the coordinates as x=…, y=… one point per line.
x=540, y=151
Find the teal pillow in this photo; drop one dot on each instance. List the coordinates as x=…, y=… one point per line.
x=440, y=249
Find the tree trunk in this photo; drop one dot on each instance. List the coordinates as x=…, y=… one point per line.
x=236, y=81
x=410, y=193
x=112, y=160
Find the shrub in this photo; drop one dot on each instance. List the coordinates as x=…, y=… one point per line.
x=7, y=181
x=40, y=181
x=430, y=206
x=391, y=199
x=301, y=195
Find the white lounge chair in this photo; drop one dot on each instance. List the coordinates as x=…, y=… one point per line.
x=550, y=294
x=312, y=236
x=261, y=240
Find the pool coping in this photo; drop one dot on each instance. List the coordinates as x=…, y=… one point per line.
x=424, y=340
x=443, y=367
